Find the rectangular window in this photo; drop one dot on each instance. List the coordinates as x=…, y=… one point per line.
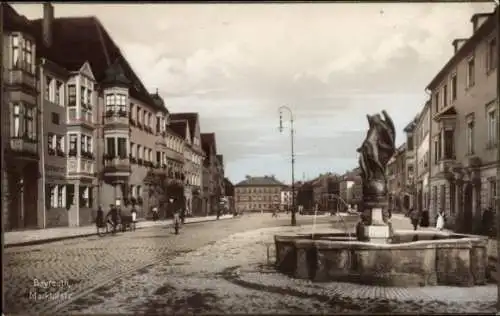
x=58, y=93
x=110, y=147
x=15, y=52
x=469, y=134
x=158, y=125
x=138, y=114
x=449, y=146
x=29, y=123
x=17, y=120
x=158, y=157
x=28, y=49
x=122, y=147
x=83, y=96
x=471, y=69
x=48, y=83
x=60, y=196
x=89, y=144
x=55, y=118
x=71, y=95
x=491, y=61
x=122, y=102
x=139, y=152
x=445, y=95
x=454, y=87
x=82, y=143
x=51, y=143
x=436, y=102
x=492, y=127
x=442, y=197
x=84, y=196
x=492, y=191
x=72, y=145
x=437, y=150
x=89, y=98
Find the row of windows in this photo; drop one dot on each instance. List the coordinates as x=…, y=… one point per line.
x=258, y=190
x=448, y=92
x=258, y=206
x=258, y=198
x=447, y=150
x=23, y=53
x=62, y=196
x=24, y=121
x=57, y=144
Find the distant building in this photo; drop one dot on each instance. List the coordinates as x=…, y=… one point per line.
x=286, y=198
x=257, y=194
x=396, y=181
x=350, y=189
x=305, y=195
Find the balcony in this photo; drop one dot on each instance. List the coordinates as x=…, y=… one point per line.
x=84, y=118
x=116, y=166
x=22, y=78
x=446, y=165
x=116, y=119
x=78, y=167
x=160, y=168
x=24, y=146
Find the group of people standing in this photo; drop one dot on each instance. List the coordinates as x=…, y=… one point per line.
x=114, y=217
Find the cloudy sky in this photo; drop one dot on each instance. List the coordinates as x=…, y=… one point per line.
x=236, y=64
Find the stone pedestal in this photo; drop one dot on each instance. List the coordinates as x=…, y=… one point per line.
x=378, y=231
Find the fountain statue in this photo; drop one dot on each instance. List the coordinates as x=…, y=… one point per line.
x=374, y=154
x=379, y=254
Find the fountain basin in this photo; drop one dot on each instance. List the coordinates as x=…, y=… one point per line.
x=412, y=258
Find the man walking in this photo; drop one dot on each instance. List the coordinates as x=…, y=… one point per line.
x=414, y=217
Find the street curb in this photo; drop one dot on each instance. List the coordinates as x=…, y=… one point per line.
x=55, y=239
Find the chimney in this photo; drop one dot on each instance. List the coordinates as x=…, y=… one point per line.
x=458, y=43
x=48, y=17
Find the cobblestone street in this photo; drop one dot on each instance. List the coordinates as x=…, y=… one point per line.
x=79, y=266
x=213, y=267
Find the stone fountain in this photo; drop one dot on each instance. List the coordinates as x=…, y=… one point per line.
x=379, y=254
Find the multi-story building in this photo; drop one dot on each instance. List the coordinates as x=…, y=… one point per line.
x=193, y=160
x=326, y=191
x=229, y=196
x=350, y=189
x=21, y=134
x=219, y=176
x=258, y=194
x=410, y=164
x=82, y=129
x=210, y=180
x=286, y=199
x=305, y=194
x=422, y=145
x=396, y=180
x=463, y=130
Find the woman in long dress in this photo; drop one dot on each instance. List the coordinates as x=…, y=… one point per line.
x=440, y=221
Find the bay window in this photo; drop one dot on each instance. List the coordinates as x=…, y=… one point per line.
x=116, y=103
x=16, y=53
x=89, y=98
x=110, y=147
x=82, y=144
x=122, y=147
x=71, y=95
x=23, y=53
x=72, y=145
x=58, y=93
x=83, y=97
x=89, y=144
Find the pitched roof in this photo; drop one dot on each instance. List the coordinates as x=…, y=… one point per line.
x=192, y=118
x=13, y=21
x=207, y=140
x=178, y=128
x=260, y=181
x=76, y=40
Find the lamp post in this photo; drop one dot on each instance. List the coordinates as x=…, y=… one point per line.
x=497, y=24
x=281, y=108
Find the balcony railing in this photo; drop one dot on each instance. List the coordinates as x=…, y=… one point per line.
x=77, y=165
x=84, y=117
x=21, y=77
x=116, y=164
x=116, y=117
x=24, y=145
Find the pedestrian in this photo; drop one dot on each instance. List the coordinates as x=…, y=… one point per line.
x=274, y=214
x=99, y=219
x=487, y=221
x=414, y=217
x=440, y=221
x=177, y=222
x=113, y=216
x=133, y=212
x=182, y=215
x=424, y=218
x=218, y=212
x=155, y=213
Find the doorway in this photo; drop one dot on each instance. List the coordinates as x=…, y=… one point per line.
x=467, y=210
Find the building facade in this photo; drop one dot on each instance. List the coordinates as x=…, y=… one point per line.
x=422, y=145
x=350, y=189
x=396, y=180
x=286, y=199
x=463, y=130
x=80, y=129
x=258, y=194
x=193, y=161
